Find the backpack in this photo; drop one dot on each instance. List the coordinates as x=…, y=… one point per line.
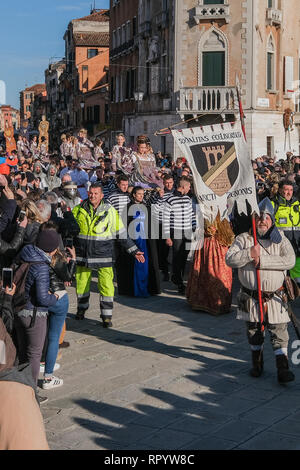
x=7, y=349
x=19, y=300
x=20, y=274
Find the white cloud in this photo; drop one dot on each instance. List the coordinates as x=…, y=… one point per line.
x=75, y=7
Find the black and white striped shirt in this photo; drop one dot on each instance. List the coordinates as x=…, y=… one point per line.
x=179, y=217
x=119, y=200
x=158, y=204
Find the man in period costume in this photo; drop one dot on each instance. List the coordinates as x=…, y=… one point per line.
x=273, y=256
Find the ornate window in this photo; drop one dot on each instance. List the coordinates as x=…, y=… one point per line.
x=213, y=59
x=271, y=67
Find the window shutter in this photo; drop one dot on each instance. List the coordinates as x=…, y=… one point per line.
x=213, y=69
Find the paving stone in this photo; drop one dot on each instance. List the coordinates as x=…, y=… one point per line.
x=237, y=406
x=265, y=415
x=201, y=423
x=210, y=443
x=287, y=426
x=239, y=430
x=271, y=441
x=167, y=439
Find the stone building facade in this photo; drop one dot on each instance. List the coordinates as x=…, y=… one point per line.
x=194, y=53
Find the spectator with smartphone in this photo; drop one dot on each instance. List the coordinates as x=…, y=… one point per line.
x=8, y=249
x=31, y=322
x=62, y=270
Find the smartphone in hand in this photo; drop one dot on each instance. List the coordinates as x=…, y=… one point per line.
x=7, y=278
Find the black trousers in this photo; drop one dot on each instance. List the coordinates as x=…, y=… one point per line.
x=180, y=254
x=163, y=253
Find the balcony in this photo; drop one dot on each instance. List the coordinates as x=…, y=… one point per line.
x=123, y=48
x=274, y=17
x=214, y=100
x=212, y=12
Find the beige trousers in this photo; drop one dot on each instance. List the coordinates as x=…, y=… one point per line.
x=21, y=422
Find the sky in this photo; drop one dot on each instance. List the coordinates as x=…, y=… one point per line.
x=31, y=36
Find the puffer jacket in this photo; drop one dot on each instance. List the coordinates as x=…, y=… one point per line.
x=60, y=273
x=37, y=283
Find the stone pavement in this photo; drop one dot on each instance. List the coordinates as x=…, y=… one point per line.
x=166, y=377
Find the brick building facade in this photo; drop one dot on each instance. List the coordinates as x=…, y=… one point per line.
x=85, y=80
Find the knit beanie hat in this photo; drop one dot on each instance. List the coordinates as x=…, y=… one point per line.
x=48, y=240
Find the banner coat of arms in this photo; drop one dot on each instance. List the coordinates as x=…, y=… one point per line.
x=220, y=161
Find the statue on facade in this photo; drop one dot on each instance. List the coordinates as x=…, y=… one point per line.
x=44, y=132
x=153, y=49
x=9, y=137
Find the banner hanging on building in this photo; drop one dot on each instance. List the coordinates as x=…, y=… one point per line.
x=220, y=161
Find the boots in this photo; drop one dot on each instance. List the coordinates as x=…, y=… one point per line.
x=80, y=315
x=258, y=363
x=284, y=375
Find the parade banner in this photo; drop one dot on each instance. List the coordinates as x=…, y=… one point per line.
x=220, y=161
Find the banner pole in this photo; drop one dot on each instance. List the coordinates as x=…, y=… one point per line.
x=260, y=302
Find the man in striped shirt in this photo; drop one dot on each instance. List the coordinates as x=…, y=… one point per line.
x=120, y=198
x=157, y=209
x=179, y=222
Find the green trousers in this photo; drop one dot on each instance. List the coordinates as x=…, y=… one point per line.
x=105, y=287
x=295, y=272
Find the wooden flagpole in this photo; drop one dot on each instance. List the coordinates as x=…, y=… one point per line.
x=260, y=301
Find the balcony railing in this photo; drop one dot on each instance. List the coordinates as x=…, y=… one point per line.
x=122, y=48
x=274, y=17
x=212, y=12
x=208, y=99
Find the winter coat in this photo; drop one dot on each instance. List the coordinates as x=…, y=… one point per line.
x=37, y=283
x=275, y=260
x=31, y=233
x=7, y=211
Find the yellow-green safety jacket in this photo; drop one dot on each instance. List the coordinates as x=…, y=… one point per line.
x=98, y=230
x=287, y=218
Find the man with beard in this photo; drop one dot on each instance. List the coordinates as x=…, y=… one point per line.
x=273, y=256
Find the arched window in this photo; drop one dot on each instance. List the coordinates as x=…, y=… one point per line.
x=271, y=69
x=213, y=58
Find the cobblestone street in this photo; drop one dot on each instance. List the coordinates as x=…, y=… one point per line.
x=166, y=377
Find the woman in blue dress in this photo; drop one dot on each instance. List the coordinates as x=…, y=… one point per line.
x=135, y=279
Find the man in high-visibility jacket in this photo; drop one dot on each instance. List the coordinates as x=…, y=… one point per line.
x=99, y=225
x=287, y=218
